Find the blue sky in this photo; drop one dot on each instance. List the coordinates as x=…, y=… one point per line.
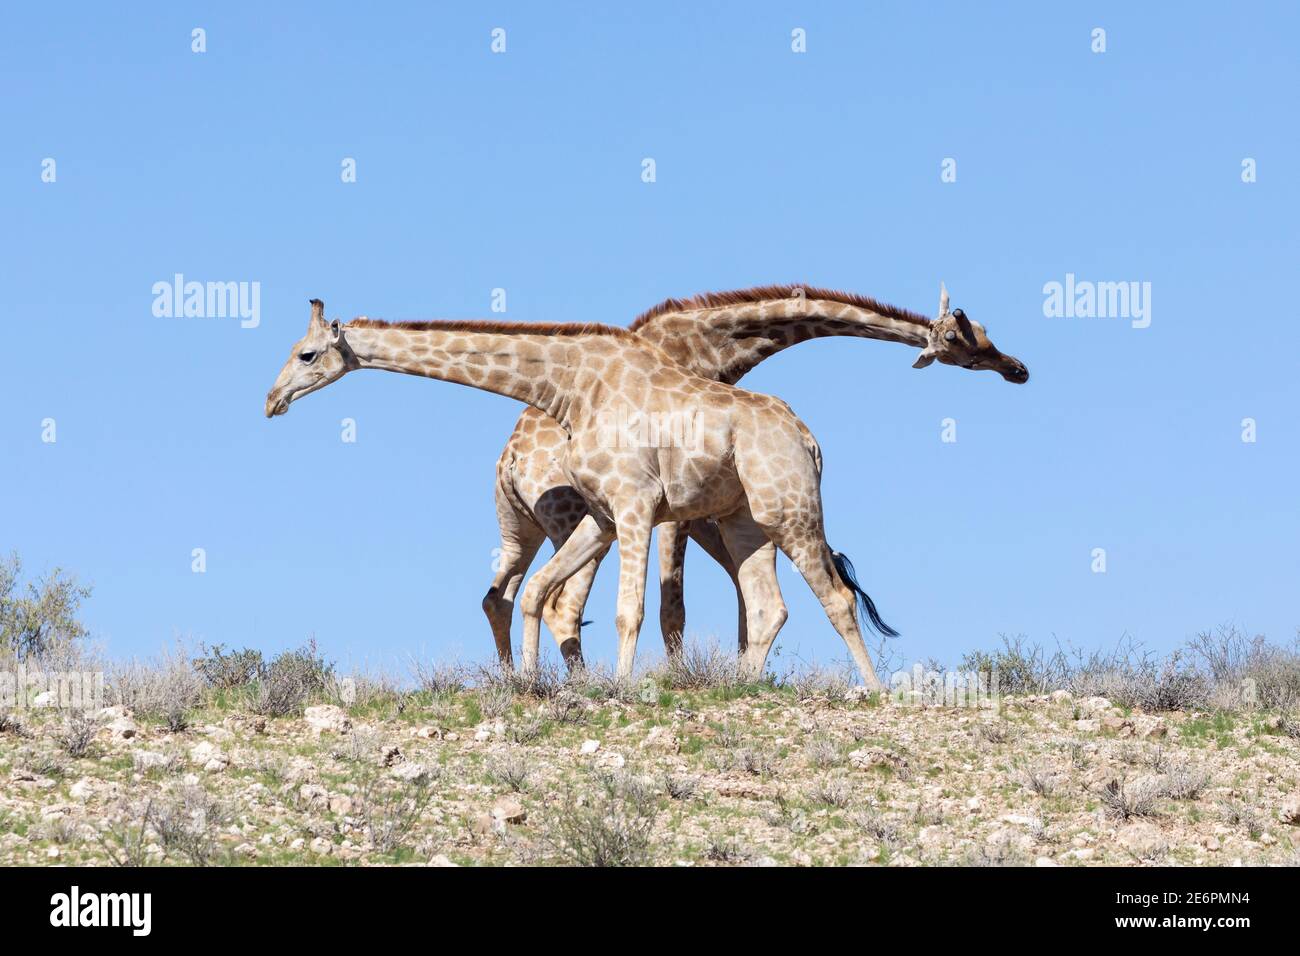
x=522, y=171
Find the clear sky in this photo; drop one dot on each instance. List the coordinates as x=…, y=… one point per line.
x=523, y=171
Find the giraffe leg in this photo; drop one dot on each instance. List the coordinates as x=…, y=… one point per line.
x=588, y=540
x=635, y=524
x=672, y=603
x=520, y=539
x=707, y=535
x=812, y=556
x=563, y=612
x=765, y=609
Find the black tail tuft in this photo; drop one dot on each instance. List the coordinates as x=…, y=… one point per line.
x=845, y=569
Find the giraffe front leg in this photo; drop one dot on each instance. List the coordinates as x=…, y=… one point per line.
x=707, y=535
x=587, y=540
x=520, y=539
x=672, y=601
x=761, y=600
x=635, y=523
x=563, y=612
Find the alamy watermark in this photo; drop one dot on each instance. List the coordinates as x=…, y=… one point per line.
x=919, y=687
x=208, y=300
x=630, y=428
x=21, y=689
x=1084, y=299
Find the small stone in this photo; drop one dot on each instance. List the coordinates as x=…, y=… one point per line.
x=209, y=756
x=442, y=859
x=145, y=760
x=298, y=844
x=868, y=757
x=611, y=760
x=322, y=847
x=427, y=733
x=1267, y=838
x=509, y=810
x=661, y=738
x=327, y=718
x=83, y=789
x=52, y=853
x=341, y=804
x=410, y=771
x=1061, y=697
x=1045, y=860
x=1095, y=707
x=313, y=795
x=1087, y=726
x=1147, y=726
x=1144, y=840
x=1117, y=725
x=589, y=747
x=482, y=734
x=46, y=698
x=1289, y=812
x=123, y=728
x=973, y=804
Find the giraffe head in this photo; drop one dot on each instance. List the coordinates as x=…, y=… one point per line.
x=318, y=358
x=956, y=340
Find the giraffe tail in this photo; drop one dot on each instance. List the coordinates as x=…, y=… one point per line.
x=844, y=567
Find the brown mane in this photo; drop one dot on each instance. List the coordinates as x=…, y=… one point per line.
x=489, y=325
x=765, y=293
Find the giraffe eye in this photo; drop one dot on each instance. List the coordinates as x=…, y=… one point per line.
x=307, y=357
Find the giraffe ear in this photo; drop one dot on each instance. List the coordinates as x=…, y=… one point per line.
x=336, y=330
x=926, y=357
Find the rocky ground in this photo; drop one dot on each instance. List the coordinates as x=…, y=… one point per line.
x=724, y=776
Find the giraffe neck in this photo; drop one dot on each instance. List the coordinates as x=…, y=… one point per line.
x=538, y=368
x=723, y=343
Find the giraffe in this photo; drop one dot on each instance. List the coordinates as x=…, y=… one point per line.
x=750, y=463
x=720, y=336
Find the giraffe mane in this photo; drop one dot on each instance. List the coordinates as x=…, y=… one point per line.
x=765, y=293
x=489, y=325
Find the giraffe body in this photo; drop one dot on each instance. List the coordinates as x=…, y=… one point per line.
x=718, y=336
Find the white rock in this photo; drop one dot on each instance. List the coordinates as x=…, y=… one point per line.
x=611, y=760
x=509, y=810
x=123, y=728
x=209, y=756
x=410, y=771
x=442, y=860
x=589, y=747
x=1096, y=707
x=1289, y=812
x=1144, y=840
x=328, y=718
x=148, y=760
x=313, y=795
x=46, y=698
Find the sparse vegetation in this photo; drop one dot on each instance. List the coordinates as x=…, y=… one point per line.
x=686, y=763
x=39, y=619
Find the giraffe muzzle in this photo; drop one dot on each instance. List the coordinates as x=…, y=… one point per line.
x=276, y=406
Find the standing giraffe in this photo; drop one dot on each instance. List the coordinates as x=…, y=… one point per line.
x=751, y=464
x=719, y=336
